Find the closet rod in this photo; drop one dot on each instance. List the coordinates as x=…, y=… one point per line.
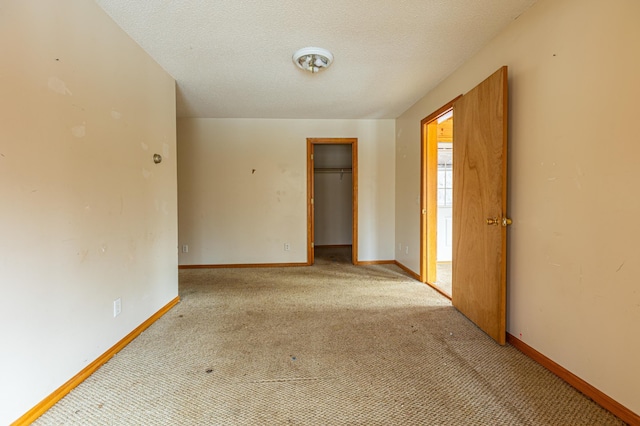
x=332, y=170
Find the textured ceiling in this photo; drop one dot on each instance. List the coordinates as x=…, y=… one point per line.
x=232, y=58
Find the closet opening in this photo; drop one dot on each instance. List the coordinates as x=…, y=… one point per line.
x=332, y=199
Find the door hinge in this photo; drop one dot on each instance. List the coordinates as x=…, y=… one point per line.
x=312, y=156
x=504, y=221
x=313, y=245
x=312, y=201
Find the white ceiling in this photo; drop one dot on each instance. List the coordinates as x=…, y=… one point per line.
x=232, y=58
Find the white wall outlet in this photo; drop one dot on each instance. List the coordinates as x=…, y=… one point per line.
x=185, y=248
x=406, y=250
x=117, y=307
x=287, y=246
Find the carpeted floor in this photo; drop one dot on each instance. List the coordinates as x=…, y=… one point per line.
x=443, y=276
x=331, y=344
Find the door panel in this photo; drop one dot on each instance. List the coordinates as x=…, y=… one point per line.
x=480, y=192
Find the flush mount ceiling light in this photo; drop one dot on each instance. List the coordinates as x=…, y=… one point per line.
x=313, y=59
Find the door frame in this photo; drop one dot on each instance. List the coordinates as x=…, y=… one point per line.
x=311, y=142
x=428, y=195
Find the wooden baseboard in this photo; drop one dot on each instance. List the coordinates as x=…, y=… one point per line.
x=59, y=393
x=407, y=270
x=605, y=401
x=327, y=246
x=244, y=265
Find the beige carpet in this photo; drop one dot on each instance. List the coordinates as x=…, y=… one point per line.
x=331, y=344
x=443, y=276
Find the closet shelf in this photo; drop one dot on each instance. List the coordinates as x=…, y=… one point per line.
x=332, y=170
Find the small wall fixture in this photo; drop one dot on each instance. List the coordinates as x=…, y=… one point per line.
x=157, y=158
x=313, y=59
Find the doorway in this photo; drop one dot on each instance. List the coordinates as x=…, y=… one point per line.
x=436, y=224
x=479, y=225
x=332, y=204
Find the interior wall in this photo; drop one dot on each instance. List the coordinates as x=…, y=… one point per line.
x=573, y=167
x=332, y=196
x=86, y=216
x=243, y=188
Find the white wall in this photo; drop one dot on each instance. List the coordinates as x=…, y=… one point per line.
x=229, y=214
x=574, y=167
x=85, y=217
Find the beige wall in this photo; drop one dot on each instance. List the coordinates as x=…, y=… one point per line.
x=229, y=215
x=86, y=217
x=574, y=164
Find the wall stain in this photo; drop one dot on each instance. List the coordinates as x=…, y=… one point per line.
x=83, y=255
x=79, y=131
x=58, y=86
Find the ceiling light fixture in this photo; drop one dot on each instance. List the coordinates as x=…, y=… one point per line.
x=313, y=59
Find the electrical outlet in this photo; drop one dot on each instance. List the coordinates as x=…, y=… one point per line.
x=287, y=246
x=117, y=307
x=406, y=250
x=185, y=248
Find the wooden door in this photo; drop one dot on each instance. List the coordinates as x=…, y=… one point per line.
x=479, y=205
